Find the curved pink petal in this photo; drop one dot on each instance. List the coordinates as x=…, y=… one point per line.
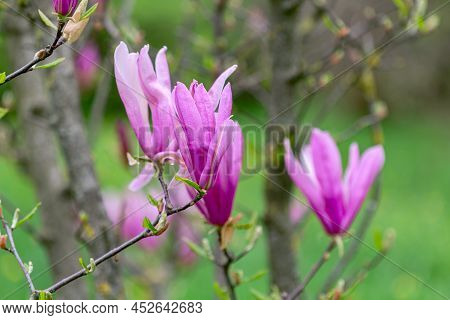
x=307, y=186
x=369, y=167
x=218, y=202
x=162, y=68
x=216, y=90
x=219, y=145
x=203, y=103
x=144, y=178
x=160, y=101
x=328, y=170
x=226, y=105
x=192, y=128
x=131, y=93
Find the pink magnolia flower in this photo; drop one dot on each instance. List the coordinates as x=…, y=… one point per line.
x=127, y=212
x=64, y=7
x=145, y=88
x=335, y=199
x=86, y=64
x=210, y=144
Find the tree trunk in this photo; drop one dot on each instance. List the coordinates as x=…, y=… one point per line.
x=40, y=156
x=282, y=260
x=83, y=180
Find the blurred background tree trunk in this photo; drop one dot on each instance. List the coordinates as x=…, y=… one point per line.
x=84, y=184
x=282, y=259
x=40, y=155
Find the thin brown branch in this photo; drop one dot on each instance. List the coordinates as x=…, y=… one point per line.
x=324, y=258
x=225, y=267
x=83, y=272
x=13, y=250
x=40, y=56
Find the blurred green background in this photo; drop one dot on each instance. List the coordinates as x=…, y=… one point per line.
x=415, y=195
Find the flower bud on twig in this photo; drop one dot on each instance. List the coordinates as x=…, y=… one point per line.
x=64, y=7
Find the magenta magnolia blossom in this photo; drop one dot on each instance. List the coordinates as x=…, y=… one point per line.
x=210, y=143
x=335, y=199
x=64, y=7
x=145, y=88
x=86, y=64
x=127, y=212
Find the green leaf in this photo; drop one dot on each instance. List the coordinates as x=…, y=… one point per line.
x=191, y=184
x=47, y=21
x=89, y=12
x=44, y=295
x=378, y=240
x=329, y=24
x=3, y=112
x=256, y=276
x=92, y=265
x=51, y=64
x=2, y=77
x=196, y=248
x=152, y=200
x=402, y=7
x=246, y=226
x=220, y=292
x=147, y=224
x=83, y=265
x=15, y=219
x=28, y=216
x=207, y=249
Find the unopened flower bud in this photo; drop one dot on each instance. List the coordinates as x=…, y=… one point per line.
x=3, y=240
x=64, y=7
x=76, y=25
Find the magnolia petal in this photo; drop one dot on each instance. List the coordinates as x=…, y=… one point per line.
x=159, y=98
x=220, y=197
x=216, y=90
x=369, y=167
x=306, y=185
x=226, y=105
x=219, y=145
x=162, y=68
x=144, y=178
x=131, y=93
x=203, y=102
x=328, y=171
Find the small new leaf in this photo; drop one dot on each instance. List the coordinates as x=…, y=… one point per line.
x=2, y=77
x=28, y=216
x=152, y=200
x=29, y=267
x=220, y=292
x=44, y=295
x=191, y=184
x=87, y=268
x=132, y=160
x=47, y=21
x=92, y=265
x=256, y=276
x=15, y=219
x=83, y=265
x=89, y=12
x=3, y=112
x=196, y=248
x=51, y=64
x=147, y=224
x=207, y=249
